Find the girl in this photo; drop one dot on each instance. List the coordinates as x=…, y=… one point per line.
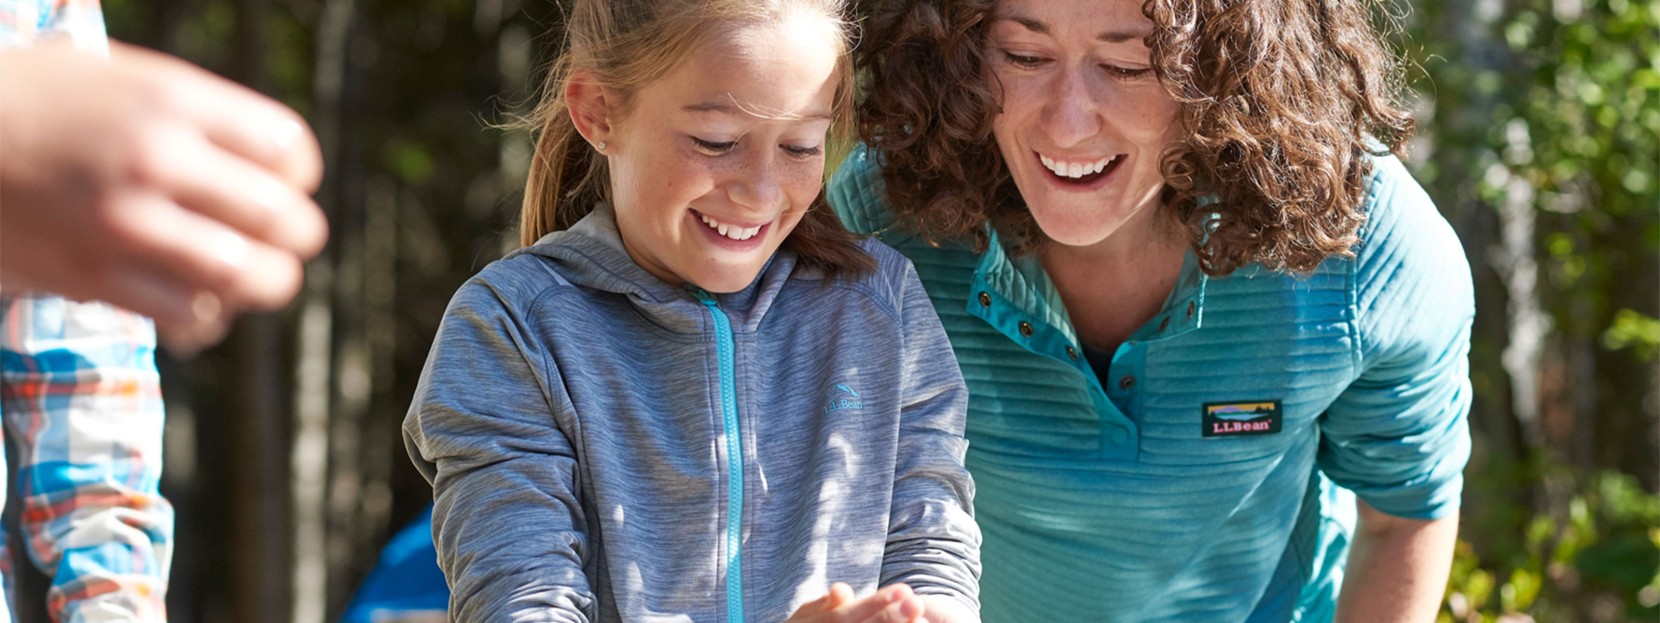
x=1192, y=292
x=693, y=396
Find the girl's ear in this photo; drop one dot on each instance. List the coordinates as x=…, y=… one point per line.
x=590, y=107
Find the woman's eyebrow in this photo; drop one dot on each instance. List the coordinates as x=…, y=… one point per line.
x=1110, y=36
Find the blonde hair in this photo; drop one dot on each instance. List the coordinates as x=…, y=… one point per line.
x=626, y=44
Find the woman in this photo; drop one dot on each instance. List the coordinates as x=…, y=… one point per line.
x=1196, y=299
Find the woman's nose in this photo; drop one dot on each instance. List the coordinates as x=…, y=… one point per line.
x=1072, y=114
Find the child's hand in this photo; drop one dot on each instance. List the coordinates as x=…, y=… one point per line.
x=892, y=604
x=171, y=192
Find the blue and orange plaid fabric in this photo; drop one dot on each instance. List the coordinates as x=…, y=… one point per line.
x=81, y=402
x=25, y=23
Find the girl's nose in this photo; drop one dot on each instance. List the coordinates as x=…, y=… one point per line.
x=756, y=186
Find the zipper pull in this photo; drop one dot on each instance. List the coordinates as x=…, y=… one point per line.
x=702, y=295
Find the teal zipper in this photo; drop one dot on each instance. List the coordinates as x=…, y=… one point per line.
x=734, y=457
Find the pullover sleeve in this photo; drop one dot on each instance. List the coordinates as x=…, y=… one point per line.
x=933, y=543
x=484, y=430
x=82, y=404
x=1397, y=436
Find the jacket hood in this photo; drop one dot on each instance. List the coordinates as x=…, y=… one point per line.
x=591, y=255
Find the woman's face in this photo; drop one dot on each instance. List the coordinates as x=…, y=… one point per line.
x=1084, y=118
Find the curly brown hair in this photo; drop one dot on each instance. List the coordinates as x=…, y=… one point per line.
x=1282, y=105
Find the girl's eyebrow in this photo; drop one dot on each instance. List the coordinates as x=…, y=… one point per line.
x=729, y=108
x=1110, y=36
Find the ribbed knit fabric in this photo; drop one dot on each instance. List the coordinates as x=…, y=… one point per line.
x=606, y=446
x=1112, y=504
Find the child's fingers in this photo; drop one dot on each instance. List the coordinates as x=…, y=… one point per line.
x=907, y=610
x=840, y=594
x=872, y=608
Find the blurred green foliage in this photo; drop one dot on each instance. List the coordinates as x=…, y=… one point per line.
x=1593, y=556
x=1569, y=101
x=1553, y=105
x=1585, y=104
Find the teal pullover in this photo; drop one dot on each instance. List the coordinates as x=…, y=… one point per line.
x=1194, y=483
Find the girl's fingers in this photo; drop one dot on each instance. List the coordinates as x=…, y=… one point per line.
x=840, y=594
x=872, y=608
x=907, y=610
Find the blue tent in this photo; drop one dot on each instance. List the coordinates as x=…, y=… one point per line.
x=406, y=584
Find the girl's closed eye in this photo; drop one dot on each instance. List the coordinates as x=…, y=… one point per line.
x=1023, y=60
x=801, y=152
x=713, y=148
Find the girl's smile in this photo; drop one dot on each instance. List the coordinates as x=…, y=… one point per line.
x=714, y=163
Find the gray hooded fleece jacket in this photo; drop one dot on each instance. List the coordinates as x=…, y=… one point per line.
x=605, y=446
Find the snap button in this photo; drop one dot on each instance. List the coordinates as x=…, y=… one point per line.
x=1072, y=352
x=1164, y=324
x=1127, y=382
x=985, y=300
x=1026, y=328
x=1190, y=309
x=1119, y=435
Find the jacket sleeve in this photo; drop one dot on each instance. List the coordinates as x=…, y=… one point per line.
x=82, y=403
x=79, y=22
x=1397, y=436
x=933, y=543
x=484, y=430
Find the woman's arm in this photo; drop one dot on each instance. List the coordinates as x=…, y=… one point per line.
x=482, y=429
x=1397, y=571
x=1397, y=436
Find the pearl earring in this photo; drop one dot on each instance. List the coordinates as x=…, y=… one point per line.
x=600, y=146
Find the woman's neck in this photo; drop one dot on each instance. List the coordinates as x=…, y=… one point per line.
x=1114, y=286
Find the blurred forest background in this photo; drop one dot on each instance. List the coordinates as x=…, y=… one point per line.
x=1539, y=139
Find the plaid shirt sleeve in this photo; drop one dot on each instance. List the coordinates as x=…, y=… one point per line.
x=24, y=23
x=81, y=400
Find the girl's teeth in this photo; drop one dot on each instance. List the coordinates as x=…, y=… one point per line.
x=731, y=231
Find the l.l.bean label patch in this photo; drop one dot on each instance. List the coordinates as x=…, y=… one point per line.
x=1237, y=419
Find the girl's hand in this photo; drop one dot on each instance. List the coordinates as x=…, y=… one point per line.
x=891, y=604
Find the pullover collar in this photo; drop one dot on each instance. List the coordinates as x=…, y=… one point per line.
x=591, y=255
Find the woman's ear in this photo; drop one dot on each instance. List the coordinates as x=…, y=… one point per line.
x=590, y=108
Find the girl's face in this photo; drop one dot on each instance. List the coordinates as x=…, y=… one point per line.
x=1084, y=119
x=714, y=163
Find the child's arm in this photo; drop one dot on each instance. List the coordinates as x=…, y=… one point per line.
x=482, y=429
x=933, y=542
x=82, y=404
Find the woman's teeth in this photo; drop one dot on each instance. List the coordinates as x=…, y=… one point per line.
x=1075, y=170
x=730, y=231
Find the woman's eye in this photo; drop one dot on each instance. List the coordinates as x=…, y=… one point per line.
x=1127, y=73
x=713, y=148
x=803, y=152
x=1022, y=60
